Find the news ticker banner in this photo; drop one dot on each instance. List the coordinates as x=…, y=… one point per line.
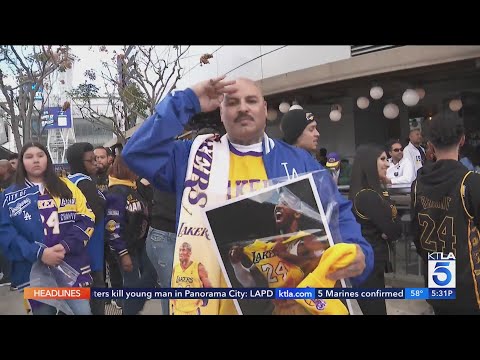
x=441, y=286
x=241, y=293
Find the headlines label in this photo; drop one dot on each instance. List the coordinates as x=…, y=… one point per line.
x=57, y=293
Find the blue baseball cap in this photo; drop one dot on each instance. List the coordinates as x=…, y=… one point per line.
x=333, y=160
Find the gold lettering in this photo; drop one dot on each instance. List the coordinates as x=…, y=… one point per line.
x=443, y=204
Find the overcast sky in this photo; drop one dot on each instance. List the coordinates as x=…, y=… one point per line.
x=90, y=59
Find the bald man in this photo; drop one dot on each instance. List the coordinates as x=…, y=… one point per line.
x=246, y=157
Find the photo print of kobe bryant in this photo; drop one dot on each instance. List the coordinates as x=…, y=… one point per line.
x=272, y=238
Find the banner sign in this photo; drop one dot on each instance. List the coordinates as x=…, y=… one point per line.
x=56, y=118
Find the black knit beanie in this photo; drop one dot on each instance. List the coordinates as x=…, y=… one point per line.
x=293, y=124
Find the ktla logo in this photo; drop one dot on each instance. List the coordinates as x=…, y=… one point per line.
x=441, y=270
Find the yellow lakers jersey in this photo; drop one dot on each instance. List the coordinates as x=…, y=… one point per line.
x=277, y=271
x=188, y=278
x=247, y=172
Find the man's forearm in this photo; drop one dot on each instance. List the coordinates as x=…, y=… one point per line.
x=150, y=149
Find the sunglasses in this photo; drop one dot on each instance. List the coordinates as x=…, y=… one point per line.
x=397, y=149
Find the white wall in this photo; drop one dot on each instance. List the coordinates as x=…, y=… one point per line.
x=292, y=58
x=276, y=60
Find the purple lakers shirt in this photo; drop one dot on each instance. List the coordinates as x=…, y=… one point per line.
x=49, y=215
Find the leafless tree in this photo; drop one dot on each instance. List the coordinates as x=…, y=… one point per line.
x=135, y=79
x=23, y=71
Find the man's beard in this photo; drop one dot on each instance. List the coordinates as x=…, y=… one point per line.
x=102, y=170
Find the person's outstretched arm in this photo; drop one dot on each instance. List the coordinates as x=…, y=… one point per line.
x=152, y=150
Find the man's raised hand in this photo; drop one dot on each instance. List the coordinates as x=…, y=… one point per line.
x=210, y=93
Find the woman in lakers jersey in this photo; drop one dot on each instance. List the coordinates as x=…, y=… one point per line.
x=45, y=218
x=376, y=214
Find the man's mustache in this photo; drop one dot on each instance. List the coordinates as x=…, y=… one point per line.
x=242, y=116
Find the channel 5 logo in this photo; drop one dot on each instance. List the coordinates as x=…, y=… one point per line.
x=441, y=270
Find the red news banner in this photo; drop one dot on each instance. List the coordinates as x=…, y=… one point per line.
x=57, y=293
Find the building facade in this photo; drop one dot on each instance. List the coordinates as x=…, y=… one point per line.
x=320, y=77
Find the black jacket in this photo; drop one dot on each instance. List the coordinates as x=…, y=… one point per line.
x=101, y=181
x=163, y=211
x=126, y=222
x=377, y=215
x=446, y=208
x=146, y=192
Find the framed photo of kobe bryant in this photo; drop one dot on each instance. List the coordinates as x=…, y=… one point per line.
x=275, y=238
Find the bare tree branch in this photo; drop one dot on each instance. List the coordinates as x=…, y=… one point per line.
x=20, y=60
x=92, y=115
x=136, y=79
x=29, y=66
